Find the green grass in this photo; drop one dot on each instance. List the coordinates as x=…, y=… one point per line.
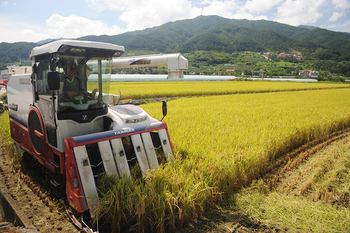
x=3, y=97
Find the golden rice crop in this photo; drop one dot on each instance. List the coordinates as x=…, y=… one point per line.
x=221, y=143
x=142, y=90
x=261, y=123
x=5, y=137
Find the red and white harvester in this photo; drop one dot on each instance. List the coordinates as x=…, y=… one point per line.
x=75, y=139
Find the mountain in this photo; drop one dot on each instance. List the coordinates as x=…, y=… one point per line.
x=337, y=44
x=214, y=33
x=221, y=34
x=51, y=40
x=307, y=27
x=230, y=38
x=11, y=53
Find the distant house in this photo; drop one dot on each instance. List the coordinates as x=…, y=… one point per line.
x=4, y=74
x=314, y=74
x=12, y=70
x=303, y=74
x=296, y=55
x=265, y=54
x=19, y=69
x=257, y=71
x=309, y=74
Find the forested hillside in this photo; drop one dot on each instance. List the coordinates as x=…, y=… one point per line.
x=14, y=53
x=214, y=33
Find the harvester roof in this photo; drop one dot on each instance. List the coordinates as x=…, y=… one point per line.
x=78, y=47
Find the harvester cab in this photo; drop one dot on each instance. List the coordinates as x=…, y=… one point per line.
x=61, y=116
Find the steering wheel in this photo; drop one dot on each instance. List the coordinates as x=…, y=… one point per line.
x=81, y=98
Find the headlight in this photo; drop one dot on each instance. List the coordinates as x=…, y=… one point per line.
x=137, y=120
x=75, y=183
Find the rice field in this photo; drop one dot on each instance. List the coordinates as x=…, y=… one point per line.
x=221, y=143
x=143, y=90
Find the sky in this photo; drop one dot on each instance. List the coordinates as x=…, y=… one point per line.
x=34, y=20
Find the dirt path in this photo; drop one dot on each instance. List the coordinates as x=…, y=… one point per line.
x=43, y=212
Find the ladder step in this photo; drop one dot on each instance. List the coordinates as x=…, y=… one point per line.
x=54, y=183
x=56, y=165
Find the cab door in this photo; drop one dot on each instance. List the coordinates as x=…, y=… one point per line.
x=44, y=98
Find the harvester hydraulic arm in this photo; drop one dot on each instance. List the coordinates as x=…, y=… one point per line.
x=176, y=63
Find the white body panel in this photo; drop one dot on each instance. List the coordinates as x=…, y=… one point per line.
x=140, y=153
x=87, y=178
x=120, y=157
x=69, y=128
x=20, y=96
x=163, y=136
x=121, y=113
x=107, y=158
x=150, y=152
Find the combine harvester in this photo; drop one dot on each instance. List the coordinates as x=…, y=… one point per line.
x=74, y=138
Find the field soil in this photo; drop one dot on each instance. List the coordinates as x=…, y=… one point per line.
x=32, y=198
x=46, y=214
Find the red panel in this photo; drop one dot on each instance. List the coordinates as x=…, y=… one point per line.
x=74, y=196
x=19, y=134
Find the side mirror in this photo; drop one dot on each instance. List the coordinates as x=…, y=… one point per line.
x=165, y=109
x=53, y=80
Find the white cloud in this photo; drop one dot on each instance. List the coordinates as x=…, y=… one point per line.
x=34, y=34
x=6, y=3
x=341, y=4
x=156, y=12
x=341, y=9
x=144, y=14
x=222, y=8
x=340, y=27
x=335, y=16
x=13, y=30
x=75, y=26
x=57, y=26
x=260, y=5
x=138, y=15
x=243, y=14
x=297, y=12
